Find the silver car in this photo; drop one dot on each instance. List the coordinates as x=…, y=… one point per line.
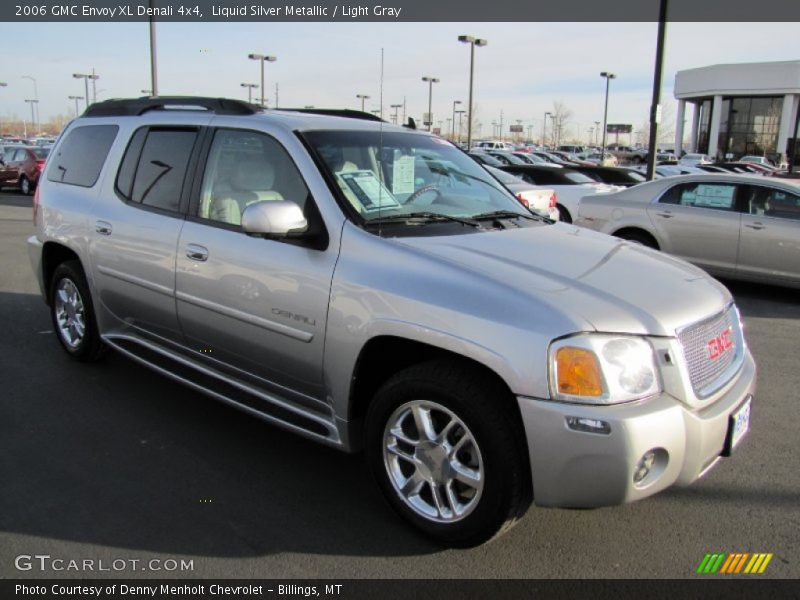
x=738, y=226
x=373, y=288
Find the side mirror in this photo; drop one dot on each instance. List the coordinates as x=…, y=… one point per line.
x=274, y=218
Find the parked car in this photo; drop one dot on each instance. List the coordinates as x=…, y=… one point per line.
x=759, y=160
x=737, y=226
x=493, y=145
x=602, y=159
x=21, y=167
x=620, y=176
x=569, y=184
x=507, y=158
x=371, y=288
x=541, y=201
x=694, y=160
x=486, y=159
x=629, y=154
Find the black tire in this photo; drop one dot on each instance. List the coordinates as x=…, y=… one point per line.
x=484, y=408
x=640, y=237
x=68, y=278
x=25, y=186
x=563, y=214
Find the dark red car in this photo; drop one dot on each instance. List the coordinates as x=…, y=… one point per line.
x=21, y=166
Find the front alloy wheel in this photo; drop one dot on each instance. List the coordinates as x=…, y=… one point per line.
x=433, y=461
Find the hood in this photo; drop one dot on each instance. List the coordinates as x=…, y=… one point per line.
x=613, y=285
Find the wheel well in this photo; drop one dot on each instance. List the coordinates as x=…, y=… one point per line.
x=637, y=232
x=53, y=255
x=564, y=211
x=383, y=356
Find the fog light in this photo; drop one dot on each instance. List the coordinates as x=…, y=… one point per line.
x=588, y=425
x=644, y=466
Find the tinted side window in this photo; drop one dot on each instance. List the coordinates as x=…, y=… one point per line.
x=162, y=166
x=81, y=155
x=772, y=202
x=719, y=196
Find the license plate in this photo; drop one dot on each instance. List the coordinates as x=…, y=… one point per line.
x=738, y=427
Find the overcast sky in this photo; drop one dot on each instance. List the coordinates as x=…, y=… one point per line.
x=523, y=70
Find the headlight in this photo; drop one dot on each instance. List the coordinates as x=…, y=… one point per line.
x=602, y=369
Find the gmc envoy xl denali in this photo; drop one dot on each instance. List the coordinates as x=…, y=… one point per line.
x=373, y=288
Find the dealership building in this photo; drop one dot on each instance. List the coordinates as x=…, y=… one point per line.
x=738, y=109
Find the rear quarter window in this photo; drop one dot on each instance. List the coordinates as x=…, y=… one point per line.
x=80, y=157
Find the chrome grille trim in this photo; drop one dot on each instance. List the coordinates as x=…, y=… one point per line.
x=708, y=375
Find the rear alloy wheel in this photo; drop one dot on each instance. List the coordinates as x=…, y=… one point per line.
x=447, y=450
x=73, y=314
x=25, y=186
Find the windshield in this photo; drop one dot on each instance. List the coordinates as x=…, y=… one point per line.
x=391, y=174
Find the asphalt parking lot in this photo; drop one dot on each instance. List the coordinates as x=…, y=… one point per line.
x=112, y=461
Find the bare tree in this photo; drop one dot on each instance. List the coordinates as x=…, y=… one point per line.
x=560, y=115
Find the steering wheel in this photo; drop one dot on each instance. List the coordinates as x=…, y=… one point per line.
x=423, y=190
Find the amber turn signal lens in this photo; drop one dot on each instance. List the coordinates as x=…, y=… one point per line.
x=578, y=372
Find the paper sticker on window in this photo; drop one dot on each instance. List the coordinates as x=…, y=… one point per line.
x=710, y=196
x=366, y=188
x=403, y=175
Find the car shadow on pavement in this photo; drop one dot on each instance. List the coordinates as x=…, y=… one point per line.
x=116, y=455
x=766, y=301
x=15, y=199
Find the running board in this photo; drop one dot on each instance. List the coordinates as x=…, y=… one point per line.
x=207, y=381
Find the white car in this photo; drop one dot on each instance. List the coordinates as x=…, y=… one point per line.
x=541, y=201
x=692, y=160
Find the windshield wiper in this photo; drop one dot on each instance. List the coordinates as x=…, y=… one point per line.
x=422, y=217
x=504, y=214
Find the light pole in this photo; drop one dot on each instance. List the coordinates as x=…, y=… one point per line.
x=153, y=55
x=459, y=113
x=544, y=128
x=35, y=97
x=596, y=131
x=396, y=107
x=86, y=79
x=608, y=77
x=453, y=131
x=430, y=81
x=263, y=59
x=33, y=103
x=362, y=97
x=472, y=41
x=76, y=98
x=2, y=84
x=249, y=87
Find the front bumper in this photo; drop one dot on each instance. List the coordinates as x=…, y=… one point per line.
x=580, y=469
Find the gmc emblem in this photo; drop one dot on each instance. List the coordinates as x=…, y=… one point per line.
x=717, y=346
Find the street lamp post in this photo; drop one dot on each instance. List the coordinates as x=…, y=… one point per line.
x=453, y=131
x=362, y=97
x=396, y=107
x=263, y=59
x=459, y=113
x=544, y=128
x=76, y=98
x=33, y=103
x=608, y=77
x=249, y=87
x=35, y=97
x=472, y=41
x=596, y=131
x=2, y=84
x=86, y=79
x=430, y=81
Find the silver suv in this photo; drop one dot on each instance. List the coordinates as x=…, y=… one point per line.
x=372, y=287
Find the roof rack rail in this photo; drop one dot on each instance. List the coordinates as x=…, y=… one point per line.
x=337, y=112
x=139, y=106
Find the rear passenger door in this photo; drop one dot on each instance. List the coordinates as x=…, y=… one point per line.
x=770, y=238
x=256, y=305
x=699, y=222
x=135, y=235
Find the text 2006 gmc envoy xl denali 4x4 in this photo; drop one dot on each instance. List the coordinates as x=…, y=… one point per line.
x=372, y=287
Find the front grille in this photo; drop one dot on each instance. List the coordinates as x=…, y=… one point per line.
x=710, y=368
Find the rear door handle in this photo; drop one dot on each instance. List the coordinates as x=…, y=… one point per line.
x=665, y=214
x=196, y=252
x=103, y=227
x=755, y=225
